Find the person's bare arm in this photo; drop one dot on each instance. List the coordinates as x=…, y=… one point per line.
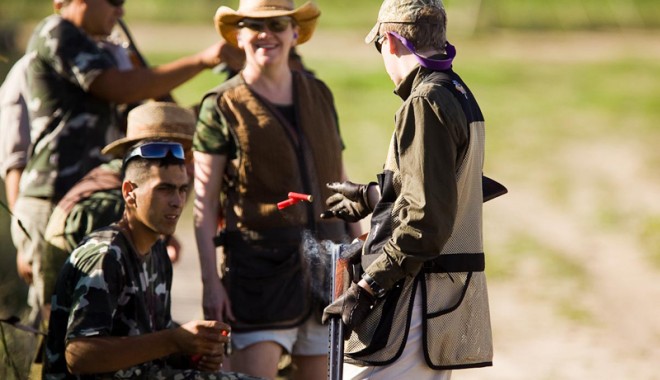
x=138, y=84
x=12, y=180
x=92, y=355
x=208, y=182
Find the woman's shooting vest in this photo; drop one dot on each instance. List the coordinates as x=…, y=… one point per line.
x=263, y=243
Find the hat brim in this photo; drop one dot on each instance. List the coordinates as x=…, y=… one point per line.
x=306, y=16
x=119, y=147
x=373, y=33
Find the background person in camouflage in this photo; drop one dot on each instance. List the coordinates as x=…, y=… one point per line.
x=15, y=126
x=111, y=309
x=74, y=87
x=420, y=309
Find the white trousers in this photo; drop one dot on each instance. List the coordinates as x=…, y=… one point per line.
x=410, y=365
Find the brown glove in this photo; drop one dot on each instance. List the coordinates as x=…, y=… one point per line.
x=353, y=306
x=350, y=201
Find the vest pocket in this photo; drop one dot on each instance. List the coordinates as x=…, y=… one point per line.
x=457, y=320
x=447, y=293
x=266, y=285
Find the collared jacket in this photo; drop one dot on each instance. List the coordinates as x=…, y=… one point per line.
x=426, y=230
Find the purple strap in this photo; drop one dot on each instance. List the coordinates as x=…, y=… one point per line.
x=432, y=64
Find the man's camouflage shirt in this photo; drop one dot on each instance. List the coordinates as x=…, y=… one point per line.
x=106, y=289
x=68, y=123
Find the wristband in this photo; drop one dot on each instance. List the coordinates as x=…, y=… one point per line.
x=378, y=290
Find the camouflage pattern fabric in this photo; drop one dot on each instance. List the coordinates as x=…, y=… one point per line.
x=69, y=125
x=212, y=133
x=69, y=224
x=177, y=374
x=106, y=289
x=99, y=210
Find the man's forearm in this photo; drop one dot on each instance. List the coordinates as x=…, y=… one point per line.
x=108, y=354
x=12, y=180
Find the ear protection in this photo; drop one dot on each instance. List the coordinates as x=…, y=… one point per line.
x=295, y=35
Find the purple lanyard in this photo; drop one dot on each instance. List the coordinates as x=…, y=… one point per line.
x=432, y=64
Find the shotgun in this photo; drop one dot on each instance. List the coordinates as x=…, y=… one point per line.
x=336, y=355
x=346, y=269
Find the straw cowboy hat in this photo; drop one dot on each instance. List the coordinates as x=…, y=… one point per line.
x=305, y=16
x=155, y=120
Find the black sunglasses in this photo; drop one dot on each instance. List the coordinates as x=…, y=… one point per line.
x=154, y=150
x=116, y=3
x=274, y=24
x=378, y=43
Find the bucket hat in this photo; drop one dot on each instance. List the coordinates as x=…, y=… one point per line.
x=155, y=120
x=305, y=16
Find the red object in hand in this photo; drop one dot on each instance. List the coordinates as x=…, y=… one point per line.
x=197, y=357
x=293, y=199
x=300, y=197
x=287, y=203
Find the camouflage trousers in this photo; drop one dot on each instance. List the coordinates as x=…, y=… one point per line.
x=167, y=373
x=28, y=225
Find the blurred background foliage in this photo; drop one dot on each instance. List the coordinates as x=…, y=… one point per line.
x=483, y=14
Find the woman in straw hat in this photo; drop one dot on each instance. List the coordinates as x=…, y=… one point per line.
x=265, y=132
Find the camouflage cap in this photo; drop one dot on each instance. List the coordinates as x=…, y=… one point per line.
x=400, y=11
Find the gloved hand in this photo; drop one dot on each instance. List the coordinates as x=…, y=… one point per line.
x=353, y=306
x=350, y=201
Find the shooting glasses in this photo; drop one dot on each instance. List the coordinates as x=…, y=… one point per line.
x=116, y=3
x=154, y=150
x=274, y=24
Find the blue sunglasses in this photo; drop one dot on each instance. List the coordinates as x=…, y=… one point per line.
x=155, y=150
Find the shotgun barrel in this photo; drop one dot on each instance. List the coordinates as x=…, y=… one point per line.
x=336, y=355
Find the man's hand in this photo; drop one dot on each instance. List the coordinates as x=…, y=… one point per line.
x=350, y=201
x=24, y=268
x=206, y=338
x=232, y=56
x=353, y=306
x=173, y=249
x=210, y=363
x=211, y=56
